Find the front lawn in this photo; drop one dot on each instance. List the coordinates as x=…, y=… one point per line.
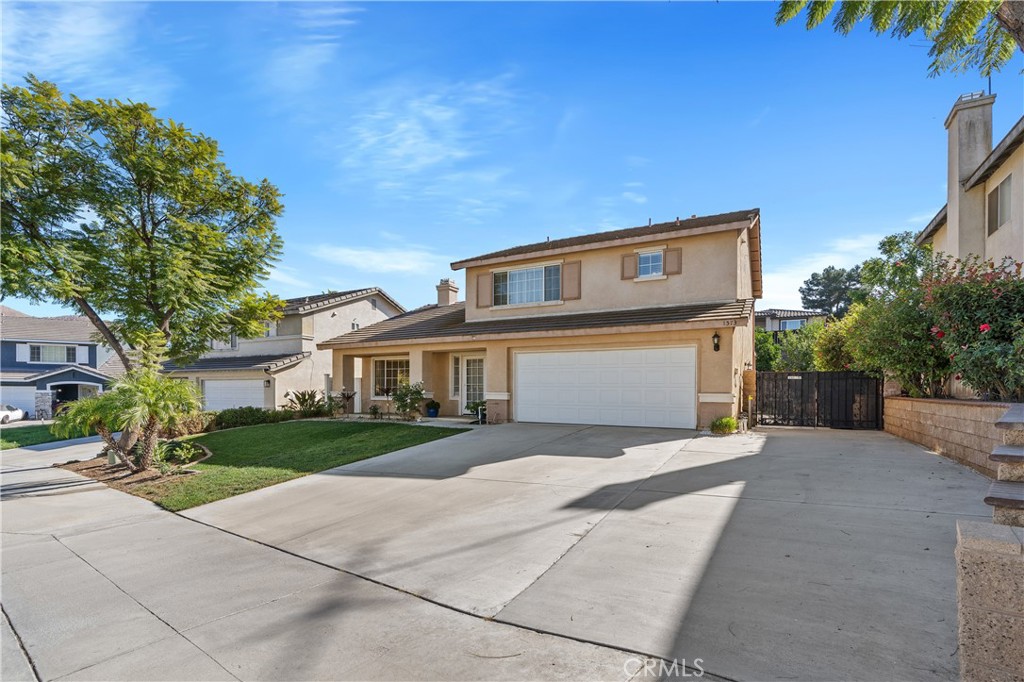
x=21, y=436
x=254, y=457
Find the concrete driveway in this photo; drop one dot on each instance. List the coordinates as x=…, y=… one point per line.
x=792, y=553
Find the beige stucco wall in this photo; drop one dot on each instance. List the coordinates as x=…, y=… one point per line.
x=710, y=272
x=717, y=372
x=1008, y=240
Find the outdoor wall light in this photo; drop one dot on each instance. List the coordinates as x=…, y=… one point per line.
x=266, y=383
x=716, y=340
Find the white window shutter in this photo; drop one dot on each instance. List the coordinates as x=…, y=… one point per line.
x=83, y=355
x=21, y=352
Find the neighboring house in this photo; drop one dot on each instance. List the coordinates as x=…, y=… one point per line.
x=259, y=372
x=984, y=213
x=48, y=360
x=779, y=320
x=649, y=326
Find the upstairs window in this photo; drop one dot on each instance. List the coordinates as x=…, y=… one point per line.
x=528, y=285
x=650, y=264
x=53, y=354
x=999, y=205
x=269, y=329
x=789, y=325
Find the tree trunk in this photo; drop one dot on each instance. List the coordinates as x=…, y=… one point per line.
x=1010, y=16
x=104, y=330
x=150, y=433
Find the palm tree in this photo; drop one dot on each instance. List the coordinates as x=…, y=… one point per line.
x=139, y=405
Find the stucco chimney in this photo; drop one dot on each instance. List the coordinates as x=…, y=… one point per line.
x=969, y=127
x=447, y=292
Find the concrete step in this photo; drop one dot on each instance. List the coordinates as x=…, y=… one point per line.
x=1009, y=494
x=1013, y=419
x=1008, y=454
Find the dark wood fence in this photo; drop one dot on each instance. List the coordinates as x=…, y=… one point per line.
x=839, y=400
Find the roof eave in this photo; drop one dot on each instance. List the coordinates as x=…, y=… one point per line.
x=932, y=227
x=622, y=241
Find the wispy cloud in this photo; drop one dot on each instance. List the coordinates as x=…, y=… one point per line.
x=304, y=46
x=406, y=130
x=96, y=49
x=782, y=283
x=414, y=261
x=921, y=218
x=288, y=277
x=634, y=197
x=760, y=116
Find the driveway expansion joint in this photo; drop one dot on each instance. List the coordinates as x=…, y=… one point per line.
x=21, y=644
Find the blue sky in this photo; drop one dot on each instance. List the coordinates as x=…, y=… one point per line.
x=406, y=136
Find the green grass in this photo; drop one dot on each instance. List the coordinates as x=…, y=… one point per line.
x=253, y=457
x=20, y=436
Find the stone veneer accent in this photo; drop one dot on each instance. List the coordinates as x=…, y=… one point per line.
x=961, y=430
x=44, y=405
x=990, y=601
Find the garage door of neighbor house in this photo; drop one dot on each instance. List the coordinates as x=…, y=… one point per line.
x=635, y=387
x=220, y=394
x=22, y=397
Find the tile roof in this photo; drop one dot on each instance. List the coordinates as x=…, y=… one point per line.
x=33, y=375
x=67, y=328
x=267, y=363
x=433, y=321
x=11, y=312
x=785, y=314
x=303, y=304
x=632, y=232
x=113, y=366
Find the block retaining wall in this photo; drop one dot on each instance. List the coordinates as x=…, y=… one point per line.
x=961, y=430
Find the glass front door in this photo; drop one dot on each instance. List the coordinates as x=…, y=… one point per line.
x=473, y=381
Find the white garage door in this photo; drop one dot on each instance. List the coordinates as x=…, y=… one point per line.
x=220, y=394
x=642, y=387
x=22, y=397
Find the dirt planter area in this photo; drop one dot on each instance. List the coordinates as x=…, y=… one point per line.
x=961, y=430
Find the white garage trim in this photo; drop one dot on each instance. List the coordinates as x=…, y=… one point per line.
x=654, y=386
x=74, y=383
x=716, y=397
x=222, y=394
x=22, y=397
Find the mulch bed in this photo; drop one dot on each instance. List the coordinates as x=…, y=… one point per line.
x=117, y=475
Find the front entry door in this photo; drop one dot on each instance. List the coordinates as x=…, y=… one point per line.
x=473, y=380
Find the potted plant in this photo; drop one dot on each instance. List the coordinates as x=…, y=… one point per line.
x=433, y=408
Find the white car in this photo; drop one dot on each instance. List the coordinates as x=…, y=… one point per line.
x=10, y=413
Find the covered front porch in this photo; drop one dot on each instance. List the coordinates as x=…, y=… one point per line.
x=459, y=377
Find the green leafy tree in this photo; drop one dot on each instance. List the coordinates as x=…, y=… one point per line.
x=797, y=348
x=766, y=350
x=891, y=333
x=108, y=209
x=978, y=308
x=831, y=353
x=831, y=291
x=965, y=34
x=140, y=404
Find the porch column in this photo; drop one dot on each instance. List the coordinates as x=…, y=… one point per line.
x=421, y=365
x=496, y=384
x=343, y=378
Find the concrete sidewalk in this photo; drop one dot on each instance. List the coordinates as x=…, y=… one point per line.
x=100, y=585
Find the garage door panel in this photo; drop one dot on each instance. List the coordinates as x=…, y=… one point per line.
x=22, y=397
x=223, y=394
x=636, y=387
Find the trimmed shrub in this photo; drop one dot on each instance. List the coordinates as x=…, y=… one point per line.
x=250, y=416
x=190, y=424
x=724, y=425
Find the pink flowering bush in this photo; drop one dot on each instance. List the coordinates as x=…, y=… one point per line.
x=978, y=313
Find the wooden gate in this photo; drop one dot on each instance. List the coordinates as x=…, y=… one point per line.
x=839, y=400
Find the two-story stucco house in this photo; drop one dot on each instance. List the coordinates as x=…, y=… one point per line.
x=648, y=326
x=984, y=211
x=260, y=372
x=48, y=360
